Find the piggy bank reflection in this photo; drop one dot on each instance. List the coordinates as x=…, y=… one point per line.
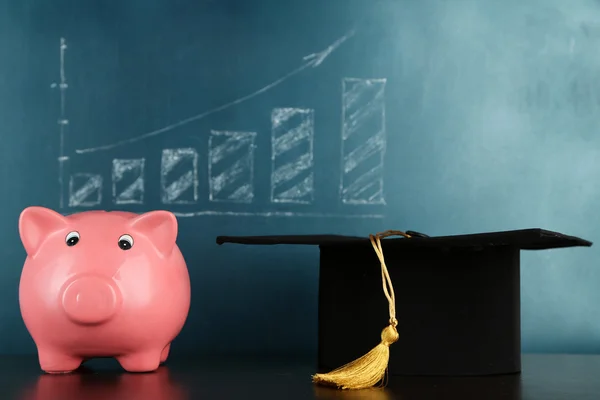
x=102, y=284
x=92, y=386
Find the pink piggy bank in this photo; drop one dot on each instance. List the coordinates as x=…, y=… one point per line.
x=102, y=284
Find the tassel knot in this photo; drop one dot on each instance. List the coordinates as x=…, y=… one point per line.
x=389, y=335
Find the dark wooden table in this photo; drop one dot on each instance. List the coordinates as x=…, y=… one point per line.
x=544, y=377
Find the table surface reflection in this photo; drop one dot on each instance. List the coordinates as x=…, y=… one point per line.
x=548, y=377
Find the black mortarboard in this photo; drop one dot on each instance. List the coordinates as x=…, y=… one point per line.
x=457, y=300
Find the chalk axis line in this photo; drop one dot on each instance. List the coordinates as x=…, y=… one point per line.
x=292, y=175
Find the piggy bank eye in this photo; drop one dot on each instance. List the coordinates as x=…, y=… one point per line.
x=125, y=242
x=72, y=238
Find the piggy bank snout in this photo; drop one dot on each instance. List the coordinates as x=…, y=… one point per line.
x=90, y=299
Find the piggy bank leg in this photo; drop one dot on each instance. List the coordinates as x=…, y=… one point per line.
x=165, y=353
x=56, y=362
x=143, y=361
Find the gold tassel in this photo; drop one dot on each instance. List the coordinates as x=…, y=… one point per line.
x=370, y=369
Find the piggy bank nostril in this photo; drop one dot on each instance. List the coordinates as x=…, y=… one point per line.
x=90, y=300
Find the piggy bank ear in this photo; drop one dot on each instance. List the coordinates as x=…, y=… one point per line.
x=36, y=224
x=160, y=227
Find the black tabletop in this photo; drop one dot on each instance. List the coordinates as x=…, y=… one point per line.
x=547, y=377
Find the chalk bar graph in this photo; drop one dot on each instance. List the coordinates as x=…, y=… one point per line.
x=231, y=166
x=363, y=141
x=292, y=160
x=229, y=173
x=230, y=163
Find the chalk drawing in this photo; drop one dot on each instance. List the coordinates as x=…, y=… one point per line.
x=179, y=176
x=231, y=155
x=282, y=214
x=363, y=141
x=231, y=166
x=312, y=60
x=292, y=160
x=62, y=121
x=128, y=181
x=85, y=190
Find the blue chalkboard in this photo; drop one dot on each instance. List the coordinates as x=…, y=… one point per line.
x=300, y=117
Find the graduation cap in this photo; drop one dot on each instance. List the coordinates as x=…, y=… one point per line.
x=453, y=308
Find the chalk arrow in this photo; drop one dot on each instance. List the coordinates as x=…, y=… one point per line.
x=316, y=59
x=312, y=60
